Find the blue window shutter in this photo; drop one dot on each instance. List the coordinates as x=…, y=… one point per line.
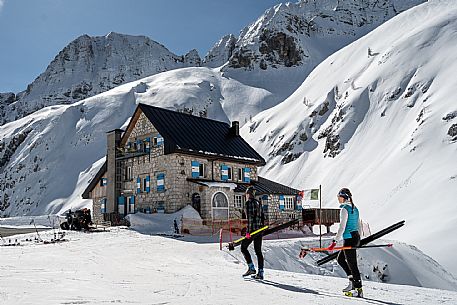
x=121, y=204
x=132, y=204
x=103, y=206
x=246, y=174
x=138, y=145
x=298, y=205
x=224, y=172
x=160, y=182
x=138, y=185
x=195, y=169
x=281, y=202
x=159, y=140
x=147, y=144
x=148, y=184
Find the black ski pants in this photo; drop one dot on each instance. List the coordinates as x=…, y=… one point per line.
x=347, y=259
x=257, y=248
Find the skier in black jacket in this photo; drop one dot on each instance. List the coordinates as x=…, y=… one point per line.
x=255, y=218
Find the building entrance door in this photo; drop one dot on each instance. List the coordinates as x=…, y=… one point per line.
x=196, y=202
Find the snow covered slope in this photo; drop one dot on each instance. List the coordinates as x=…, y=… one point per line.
x=90, y=65
x=125, y=267
x=401, y=264
x=278, y=50
x=380, y=118
x=48, y=157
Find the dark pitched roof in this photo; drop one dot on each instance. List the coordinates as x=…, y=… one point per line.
x=265, y=186
x=94, y=181
x=200, y=136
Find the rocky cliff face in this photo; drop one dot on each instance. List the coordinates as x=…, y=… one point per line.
x=278, y=51
x=192, y=59
x=292, y=34
x=91, y=65
x=221, y=52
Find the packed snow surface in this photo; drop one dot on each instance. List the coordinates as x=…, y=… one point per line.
x=125, y=267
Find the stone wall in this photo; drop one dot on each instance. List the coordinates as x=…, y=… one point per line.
x=274, y=213
x=97, y=194
x=97, y=216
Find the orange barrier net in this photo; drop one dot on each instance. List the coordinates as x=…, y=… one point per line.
x=206, y=227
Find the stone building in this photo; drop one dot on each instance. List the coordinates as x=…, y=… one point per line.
x=165, y=160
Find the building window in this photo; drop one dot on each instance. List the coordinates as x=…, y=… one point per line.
x=201, y=170
x=139, y=145
x=229, y=173
x=160, y=182
x=240, y=174
x=158, y=140
x=128, y=173
x=160, y=206
x=239, y=201
x=103, y=182
x=289, y=202
x=220, y=206
x=144, y=186
x=103, y=205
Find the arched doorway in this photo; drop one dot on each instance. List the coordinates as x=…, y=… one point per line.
x=220, y=206
x=196, y=202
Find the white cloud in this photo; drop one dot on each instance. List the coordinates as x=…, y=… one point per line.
x=1, y=4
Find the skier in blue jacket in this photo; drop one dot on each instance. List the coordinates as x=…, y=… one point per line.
x=349, y=231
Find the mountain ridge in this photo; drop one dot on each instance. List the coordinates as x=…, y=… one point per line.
x=90, y=65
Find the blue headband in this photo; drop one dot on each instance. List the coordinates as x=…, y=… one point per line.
x=344, y=195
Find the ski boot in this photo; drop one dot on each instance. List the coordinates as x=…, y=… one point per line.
x=251, y=270
x=356, y=292
x=259, y=275
x=350, y=286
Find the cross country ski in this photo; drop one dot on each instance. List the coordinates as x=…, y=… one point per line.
x=365, y=241
x=305, y=251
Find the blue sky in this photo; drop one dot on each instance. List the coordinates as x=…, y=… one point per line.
x=32, y=32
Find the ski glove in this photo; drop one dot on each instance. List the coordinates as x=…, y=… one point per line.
x=332, y=245
x=248, y=236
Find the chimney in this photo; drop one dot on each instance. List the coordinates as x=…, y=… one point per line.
x=112, y=188
x=235, y=129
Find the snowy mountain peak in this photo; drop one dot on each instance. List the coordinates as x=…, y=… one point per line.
x=192, y=58
x=91, y=65
x=221, y=52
